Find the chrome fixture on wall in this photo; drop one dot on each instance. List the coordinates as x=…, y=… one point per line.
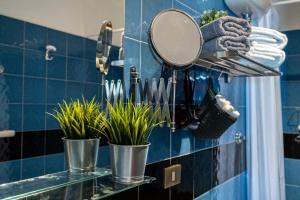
x=104, y=44
x=103, y=48
x=297, y=139
x=49, y=49
x=176, y=39
x=1, y=69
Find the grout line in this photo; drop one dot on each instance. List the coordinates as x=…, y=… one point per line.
x=129, y=38
x=23, y=86
x=183, y=4
x=141, y=31
x=45, y=109
x=66, y=68
x=292, y=185
x=297, y=108
x=199, y=150
x=286, y=81
x=45, y=78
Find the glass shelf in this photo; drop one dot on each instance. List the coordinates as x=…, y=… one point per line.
x=63, y=185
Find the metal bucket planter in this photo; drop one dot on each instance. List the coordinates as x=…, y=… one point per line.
x=128, y=162
x=81, y=155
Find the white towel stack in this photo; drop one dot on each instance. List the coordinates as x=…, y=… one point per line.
x=266, y=46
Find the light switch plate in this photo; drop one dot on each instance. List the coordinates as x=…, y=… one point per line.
x=172, y=176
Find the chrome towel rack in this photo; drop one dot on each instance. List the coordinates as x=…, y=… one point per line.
x=235, y=64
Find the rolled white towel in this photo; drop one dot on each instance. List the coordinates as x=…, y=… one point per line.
x=268, y=37
x=267, y=55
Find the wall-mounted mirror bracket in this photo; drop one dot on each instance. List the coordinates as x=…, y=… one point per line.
x=104, y=44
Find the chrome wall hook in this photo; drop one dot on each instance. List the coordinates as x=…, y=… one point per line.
x=297, y=139
x=1, y=69
x=238, y=138
x=49, y=49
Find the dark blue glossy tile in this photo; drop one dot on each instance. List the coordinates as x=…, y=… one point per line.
x=11, y=31
x=33, y=144
x=155, y=189
x=289, y=93
x=11, y=148
x=35, y=64
x=54, y=163
x=11, y=89
x=77, y=70
x=117, y=73
x=290, y=119
x=90, y=91
x=35, y=37
x=54, y=142
x=185, y=190
x=228, y=161
x=11, y=59
x=10, y=171
x=75, y=46
x=202, y=175
x=103, y=157
x=34, y=90
x=202, y=143
x=59, y=40
x=74, y=90
x=51, y=123
x=90, y=49
x=292, y=167
x=291, y=147
x=160, y=145
x=182, y=142
x=57, y=67
x=133, y=19
x=32, y=167
x=92, y=74
x=292, y=192
x=290, y=68
x=149, y=11
x=151, y=68
x=55, y=91
x=11, y=117
x=293, y=45
x=34, y=117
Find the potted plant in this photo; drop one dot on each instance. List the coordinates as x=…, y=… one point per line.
x=82, y=124
x=128, y=130
x=211, y=15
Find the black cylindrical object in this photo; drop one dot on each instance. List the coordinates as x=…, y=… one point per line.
x=213, y=120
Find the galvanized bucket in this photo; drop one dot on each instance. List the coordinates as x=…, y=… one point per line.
x=81, y=155
x=128, y=162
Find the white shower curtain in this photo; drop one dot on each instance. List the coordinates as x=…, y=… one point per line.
x=265, y=159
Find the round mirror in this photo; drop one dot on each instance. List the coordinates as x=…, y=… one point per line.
x=176, y=38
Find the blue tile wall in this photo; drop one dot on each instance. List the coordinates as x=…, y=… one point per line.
x=233, y=189
x=290, y=88
x=292, y=167
x=292, y=192
x=290, y=83
x=31, y=86
x=137, y=52
x=32, y=82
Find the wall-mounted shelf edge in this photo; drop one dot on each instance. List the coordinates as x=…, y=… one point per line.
x=63, y=185
x=235, y=64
